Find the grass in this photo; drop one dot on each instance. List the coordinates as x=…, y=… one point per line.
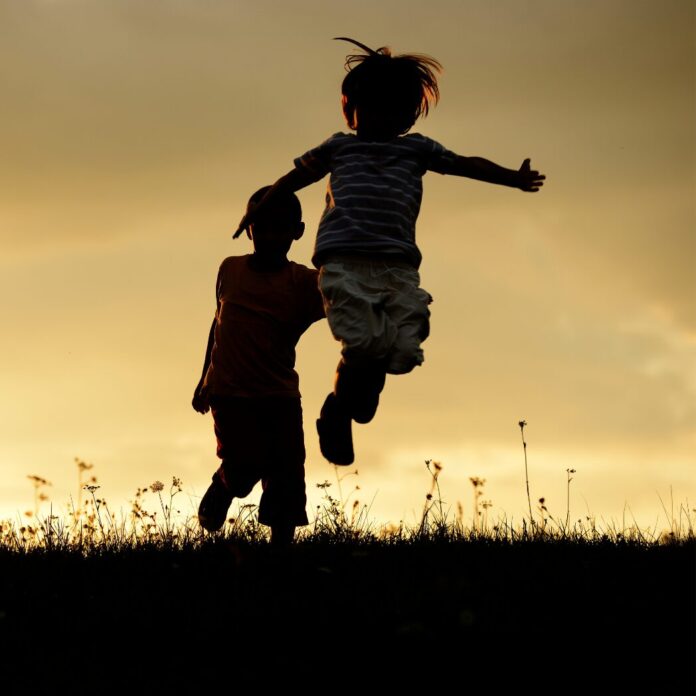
x=147, y=599
x=349, y=608
x=92, y=527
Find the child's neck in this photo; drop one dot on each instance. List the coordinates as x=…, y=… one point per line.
x=267, y=262
x=375, y=135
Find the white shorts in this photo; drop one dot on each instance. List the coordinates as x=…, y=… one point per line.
x=377, y=311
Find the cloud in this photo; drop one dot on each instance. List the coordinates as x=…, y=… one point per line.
x=133, y=133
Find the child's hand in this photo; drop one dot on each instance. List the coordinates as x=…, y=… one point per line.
x=200, y=402
x=247, y=220
x=243, y=225
x=529, y=179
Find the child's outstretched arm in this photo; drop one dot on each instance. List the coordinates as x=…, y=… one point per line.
x=200, y=397
x=293, y=181
x=524, y=178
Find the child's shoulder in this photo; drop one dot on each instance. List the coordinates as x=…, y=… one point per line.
x=292, y=272
x=414, y=139
x=339, y=139
x=306, y=279
x=349, y=143
x=418, y=140
x=302, y=272
x=234, y=262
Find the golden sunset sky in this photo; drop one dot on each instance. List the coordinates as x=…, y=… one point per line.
x=132, y=133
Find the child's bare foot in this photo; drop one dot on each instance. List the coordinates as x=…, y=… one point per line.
x=335, y=432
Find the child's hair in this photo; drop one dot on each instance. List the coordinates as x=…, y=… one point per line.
x=402, y=86
x=287, y=203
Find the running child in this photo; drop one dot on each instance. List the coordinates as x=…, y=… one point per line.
x=264, y=304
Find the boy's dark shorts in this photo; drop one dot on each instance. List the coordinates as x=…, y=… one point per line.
x=261, y=439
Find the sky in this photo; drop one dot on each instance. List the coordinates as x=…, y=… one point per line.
x=133, y=133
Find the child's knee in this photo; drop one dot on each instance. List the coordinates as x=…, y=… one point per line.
x=239, y=482
x=404, y=358
x=355, y=383
x=364, y=353
x=406, y=352
x=368, y=342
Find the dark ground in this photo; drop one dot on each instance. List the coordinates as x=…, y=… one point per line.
x=548, y=617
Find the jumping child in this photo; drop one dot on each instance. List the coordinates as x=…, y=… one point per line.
x=365, y=249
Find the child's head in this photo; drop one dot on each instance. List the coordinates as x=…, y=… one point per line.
x=390, y=91
x=277, y=225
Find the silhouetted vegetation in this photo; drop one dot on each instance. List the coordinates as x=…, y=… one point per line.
x=148, y=601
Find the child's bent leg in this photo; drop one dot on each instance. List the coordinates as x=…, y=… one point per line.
x=283, y=500
x=238, y=440
x=212, y=510
x=238, y=472
x=354, y=299
x=408, y=309
x=355, y=397
x=335, y=433
x=355, y=294
x=359, y=387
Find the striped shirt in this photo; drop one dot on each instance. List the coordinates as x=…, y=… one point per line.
x=374, y=194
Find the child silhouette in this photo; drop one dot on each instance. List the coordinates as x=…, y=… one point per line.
x=264, y=304
x=366, y=248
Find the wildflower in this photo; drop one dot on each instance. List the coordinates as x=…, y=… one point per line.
x=83, y=466
x=157, y=486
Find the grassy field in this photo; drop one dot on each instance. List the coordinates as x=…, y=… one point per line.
x=547, y=613
x=150, y=601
